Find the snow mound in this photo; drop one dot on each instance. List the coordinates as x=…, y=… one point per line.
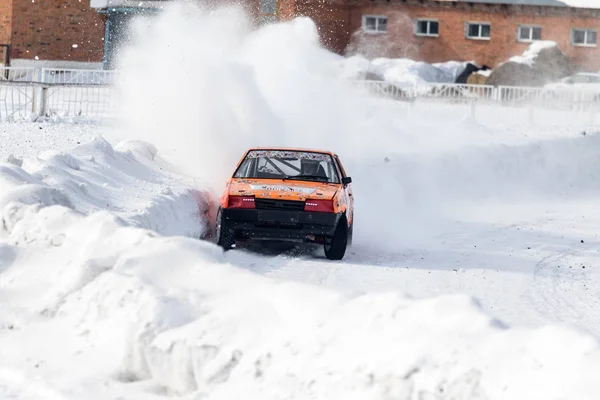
x=401, y=71
x=138, y=147
x=531, y=54
x=172, y=311
x=94, y=176
x=543, y=62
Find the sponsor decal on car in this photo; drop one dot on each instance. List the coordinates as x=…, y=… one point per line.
x=283, y=188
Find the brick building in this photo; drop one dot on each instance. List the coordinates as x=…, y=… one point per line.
x=71, y=32
x=65, y=32
x=485, y=31
x=436, y=31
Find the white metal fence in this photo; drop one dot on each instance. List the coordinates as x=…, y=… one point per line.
x=77, y=76
x=17, y=101
x=30, y=101
x=17, y=74
x=530, y=105
x=83, y=101
x=514, y=96
x=57, y=75
x=29, y=93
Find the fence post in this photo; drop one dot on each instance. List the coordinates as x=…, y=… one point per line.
x=33, y=98
x=472, y=109
x=592, y=114
x=37, y=74
x=42, y=102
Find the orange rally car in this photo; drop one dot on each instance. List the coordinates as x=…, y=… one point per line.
x=288, y=195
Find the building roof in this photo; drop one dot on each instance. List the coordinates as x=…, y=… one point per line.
x=549, y=3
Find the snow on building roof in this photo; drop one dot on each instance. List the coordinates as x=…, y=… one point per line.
x=550, y=3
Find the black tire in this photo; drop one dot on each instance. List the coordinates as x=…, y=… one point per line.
x=337, y=248
x=225, y=235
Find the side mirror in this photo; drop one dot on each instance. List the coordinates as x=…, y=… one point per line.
x=347, y=180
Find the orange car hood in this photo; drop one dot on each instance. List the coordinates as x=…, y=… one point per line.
x=279, y=189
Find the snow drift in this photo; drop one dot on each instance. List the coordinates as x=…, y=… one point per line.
x=171, y=311
x=127, y=181
x=401, y=71
x=543, y=62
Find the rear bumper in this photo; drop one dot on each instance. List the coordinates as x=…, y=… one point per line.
x=280, y=224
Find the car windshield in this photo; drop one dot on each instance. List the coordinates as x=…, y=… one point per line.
x=292, y=165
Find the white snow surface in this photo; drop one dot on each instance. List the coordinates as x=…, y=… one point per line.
x=474, y=273
x=529, y=56
x=129, y=180
x=402, y=71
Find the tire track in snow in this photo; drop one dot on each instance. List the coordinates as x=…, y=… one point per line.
x=564, y=289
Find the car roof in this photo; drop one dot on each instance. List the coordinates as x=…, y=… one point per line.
x=277, y=148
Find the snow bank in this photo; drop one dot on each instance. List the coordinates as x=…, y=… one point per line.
x=95, y=176
x=402, y=71
x=529, y=56
x=173, y=312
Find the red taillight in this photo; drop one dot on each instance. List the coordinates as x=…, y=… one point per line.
x=241, y=202
x=318, y=205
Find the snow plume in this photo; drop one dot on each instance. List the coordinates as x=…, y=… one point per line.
x=205, y=85
x=175, y=86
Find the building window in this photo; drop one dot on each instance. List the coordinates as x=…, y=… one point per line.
x=478, y=30
x=583, y=37
x=267, y=11
x=267, y=6
x=427, y=27
x=374, y=23
x=527, y=33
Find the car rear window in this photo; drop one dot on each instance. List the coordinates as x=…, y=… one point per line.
x=293, y=165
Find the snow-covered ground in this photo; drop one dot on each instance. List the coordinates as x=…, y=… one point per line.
x=402, y=71
x=474, y=272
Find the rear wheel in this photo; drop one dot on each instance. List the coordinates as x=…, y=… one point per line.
x=225, y=235
x=336, y=249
